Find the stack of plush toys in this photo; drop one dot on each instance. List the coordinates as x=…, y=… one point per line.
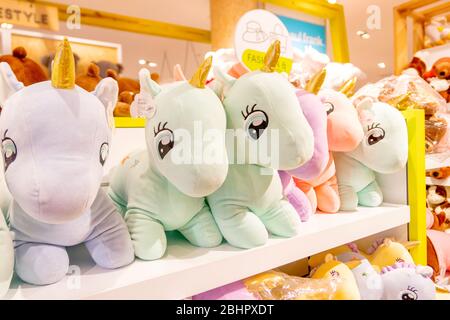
x=384, y=272
x=328, y=148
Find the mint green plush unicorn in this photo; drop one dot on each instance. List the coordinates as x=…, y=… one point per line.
x=384, y=149
x=263, y=111
x=164, y=188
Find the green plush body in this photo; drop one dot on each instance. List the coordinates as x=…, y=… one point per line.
x=249, y=201
x=152, y=205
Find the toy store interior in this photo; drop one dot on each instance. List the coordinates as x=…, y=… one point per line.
x=136, y=116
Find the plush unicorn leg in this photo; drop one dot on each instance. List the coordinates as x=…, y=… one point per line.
x=280, y=218
x=328, y=196
x=41, y=264
x=371, y=196
x=296, y=196
x=109, y=244
x=348, y=197
x=202, y=230
x=147, y=234
x=6, y=256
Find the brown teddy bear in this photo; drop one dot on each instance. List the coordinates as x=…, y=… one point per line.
x=439, y=77
x=26, y=70
x=89, y=80
x=127, y=89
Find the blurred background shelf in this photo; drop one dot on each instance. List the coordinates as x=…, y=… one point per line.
x=187, y=270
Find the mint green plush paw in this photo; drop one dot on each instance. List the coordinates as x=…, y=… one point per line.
x=148, y=236
x=202, y=230
x=370, y=196
x=281, y=219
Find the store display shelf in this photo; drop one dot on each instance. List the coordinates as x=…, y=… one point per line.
x=438, y=182
x=187, y=270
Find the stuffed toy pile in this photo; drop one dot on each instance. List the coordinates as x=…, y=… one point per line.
x=55, y=141
x=164, y=187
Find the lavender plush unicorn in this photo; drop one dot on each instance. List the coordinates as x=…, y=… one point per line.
x=55, y=141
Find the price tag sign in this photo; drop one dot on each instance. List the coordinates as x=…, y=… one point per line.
x=255, y=31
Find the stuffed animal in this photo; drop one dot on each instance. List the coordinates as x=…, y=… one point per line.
x=164, y=188
x=347, y=287
x=127, y=89
x=26, y=70
x=263, y=111
x=439, y=77
x=89, y=80
x=105, y=65
x=382, y=253
x=384, y=149
x=438, y=249
x=55, y=141
x=405, y=281
x=437, y=32
x=439, y=173
x=316, y=115
x=344, y=134
x=7, y=256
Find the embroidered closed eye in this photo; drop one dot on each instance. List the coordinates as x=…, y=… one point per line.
x=164, y=139
x=256, y=121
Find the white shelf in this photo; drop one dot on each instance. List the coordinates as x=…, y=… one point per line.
x=437, y=160
x=187, y=270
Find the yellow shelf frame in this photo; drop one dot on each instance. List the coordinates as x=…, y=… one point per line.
x=415, y=120
x=127, y=122
x=335, y=15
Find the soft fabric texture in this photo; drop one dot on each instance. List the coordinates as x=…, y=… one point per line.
x=6, y=256
x=55, y=142
x=262, y=106
x=154, y=189
x=384, y=149
x=316, y=115
x=344, y=132
x=25, y=69
x=404, y=281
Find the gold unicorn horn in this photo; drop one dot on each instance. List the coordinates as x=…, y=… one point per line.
x=63, y=68
x=348, y=87
x=198, y=80
x=271, y=57
x=315, y=84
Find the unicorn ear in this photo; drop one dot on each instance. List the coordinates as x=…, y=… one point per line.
x=147, y=84
x=226, y=80
x=8, y=82
x=364, y=104
x=143, y=104
x=107, y=91
x=178, y=74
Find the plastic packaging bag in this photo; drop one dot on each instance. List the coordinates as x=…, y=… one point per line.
x=275, y=285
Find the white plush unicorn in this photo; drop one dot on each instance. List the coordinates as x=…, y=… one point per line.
x=263, y=111
x=384, y=149
x=55, y=140
x=163, y=188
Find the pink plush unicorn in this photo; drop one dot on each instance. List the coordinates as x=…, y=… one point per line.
x=344, y=134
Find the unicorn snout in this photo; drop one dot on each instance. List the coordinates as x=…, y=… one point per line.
x=346, y=138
